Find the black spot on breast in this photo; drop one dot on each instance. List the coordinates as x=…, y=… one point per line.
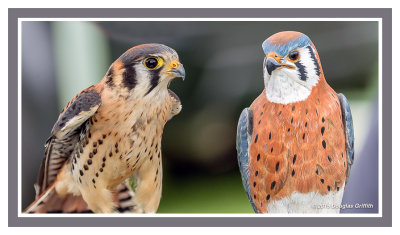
x=293, y=172
x=269, y=137
x=101, y=169
x=272, y=149
x=294, y=158
x=277, y=166
x=323, y=119
x=268, y=197
x=291, y=121
x=322, y=130
x=288, y=130
x=81, y=172
x=329, y=158
x=254, y=184
x=85, y=167
x=91, y=155
x=254, y=196
x=94, y=151
x=324, y=144
x=293, y=108
x=94, y=144
x=305, y=125
x=322, y=180
x=258, y=157
x=273, y=185
x=256, y=173
x=329, y=188
x=304, y=135
x=255, y=140
x=100, y=141
x=89, y=162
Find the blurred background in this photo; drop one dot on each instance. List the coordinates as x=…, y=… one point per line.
x=223, y=62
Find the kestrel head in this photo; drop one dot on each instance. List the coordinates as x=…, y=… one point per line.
x=291, y=67
x=145, y=69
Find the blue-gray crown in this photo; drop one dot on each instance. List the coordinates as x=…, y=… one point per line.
x=278, y=43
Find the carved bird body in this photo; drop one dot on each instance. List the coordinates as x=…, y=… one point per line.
x=295, y=143
x=107, y=141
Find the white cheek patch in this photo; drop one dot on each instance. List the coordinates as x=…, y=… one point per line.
x=286, y=86
x=142, y=81
x=311, y=67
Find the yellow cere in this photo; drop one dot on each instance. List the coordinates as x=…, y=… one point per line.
x=174, y=64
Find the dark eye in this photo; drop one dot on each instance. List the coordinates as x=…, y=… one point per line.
x=151, y=63
x=293, y=55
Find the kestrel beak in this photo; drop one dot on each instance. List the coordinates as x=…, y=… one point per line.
x=273, y=63
x=177, y=69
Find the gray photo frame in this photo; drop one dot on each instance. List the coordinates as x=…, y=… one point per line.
x=14, y=220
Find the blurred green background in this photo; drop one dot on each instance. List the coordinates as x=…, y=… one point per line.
x=223, y=62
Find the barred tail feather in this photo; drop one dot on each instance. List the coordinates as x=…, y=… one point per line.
x=50, y=202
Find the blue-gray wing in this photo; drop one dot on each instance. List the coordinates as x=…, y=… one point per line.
x=243, y=137
x=348, y=129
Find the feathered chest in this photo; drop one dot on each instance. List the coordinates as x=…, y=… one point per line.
x=119, y=137
x=298, y=147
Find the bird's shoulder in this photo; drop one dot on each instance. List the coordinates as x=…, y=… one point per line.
x=79, y=109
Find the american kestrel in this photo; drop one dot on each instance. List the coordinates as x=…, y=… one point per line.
x=104, y=152
x=295, y=143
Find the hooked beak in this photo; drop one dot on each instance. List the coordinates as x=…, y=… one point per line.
x=272, y=64
x=178, y=72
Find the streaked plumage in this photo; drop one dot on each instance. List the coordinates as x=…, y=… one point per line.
x=104, y=152
x=295, y=142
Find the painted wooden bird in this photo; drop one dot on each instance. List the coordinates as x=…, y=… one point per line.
x=104, y=152
x=295, y=143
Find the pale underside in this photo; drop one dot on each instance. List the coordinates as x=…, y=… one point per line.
x=312, y=202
